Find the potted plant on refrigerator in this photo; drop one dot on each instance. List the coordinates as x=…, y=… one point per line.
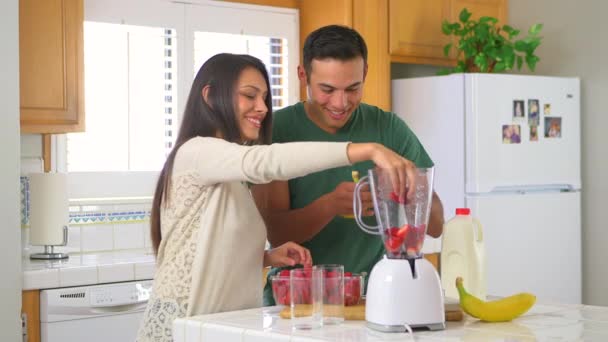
x=484, y=46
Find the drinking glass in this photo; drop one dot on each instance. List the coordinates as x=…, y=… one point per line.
x=306, y=297
x=333, y=293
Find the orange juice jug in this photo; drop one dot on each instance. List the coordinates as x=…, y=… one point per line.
x=463, y=255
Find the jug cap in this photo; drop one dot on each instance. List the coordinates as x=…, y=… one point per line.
x=463, y=211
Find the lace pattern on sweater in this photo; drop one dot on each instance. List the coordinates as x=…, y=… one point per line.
x=180, y=220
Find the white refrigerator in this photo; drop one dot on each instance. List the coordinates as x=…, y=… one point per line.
x=508, y=147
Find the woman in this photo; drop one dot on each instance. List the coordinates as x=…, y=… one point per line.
x=207, y=233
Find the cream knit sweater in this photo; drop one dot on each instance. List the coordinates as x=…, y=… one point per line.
x=213, y=237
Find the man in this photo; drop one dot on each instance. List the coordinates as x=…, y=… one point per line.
x=313, y=210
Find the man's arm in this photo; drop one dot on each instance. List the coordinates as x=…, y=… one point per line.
x=284, y=224
x=436, y=218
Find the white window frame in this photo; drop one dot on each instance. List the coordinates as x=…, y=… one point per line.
x=185, y=18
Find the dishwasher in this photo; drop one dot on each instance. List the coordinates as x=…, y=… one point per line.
x=108, y=312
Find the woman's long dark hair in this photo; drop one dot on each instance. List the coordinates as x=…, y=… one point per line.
x=214, y=118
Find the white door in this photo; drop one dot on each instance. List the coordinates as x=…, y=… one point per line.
x=532, y=243
x=494, y=163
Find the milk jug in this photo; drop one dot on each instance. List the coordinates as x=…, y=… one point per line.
x=463, y=255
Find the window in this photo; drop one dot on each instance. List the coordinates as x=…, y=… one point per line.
x=207, y=44
x=138, y=71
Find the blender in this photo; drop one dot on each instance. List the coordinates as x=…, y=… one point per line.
x=404, y=289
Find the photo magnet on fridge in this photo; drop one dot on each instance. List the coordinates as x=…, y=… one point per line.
x=518, y=109
x=547, y=109
x=553, y=127
x=533, y=112
x=533, y=133
x=511, y=134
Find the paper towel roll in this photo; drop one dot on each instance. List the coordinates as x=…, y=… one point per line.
x=49, y=208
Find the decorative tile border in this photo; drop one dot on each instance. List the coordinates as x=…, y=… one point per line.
x=78, y=217
x=25, y=200
x=84, y=218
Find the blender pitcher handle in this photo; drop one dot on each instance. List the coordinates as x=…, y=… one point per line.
x=358, y=208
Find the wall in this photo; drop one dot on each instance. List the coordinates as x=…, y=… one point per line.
x=574, y=44
x=10, y=253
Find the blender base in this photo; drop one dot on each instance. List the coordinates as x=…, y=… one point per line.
x=401, y=292
x=402, y=329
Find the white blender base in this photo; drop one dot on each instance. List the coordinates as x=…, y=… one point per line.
x=396, y=297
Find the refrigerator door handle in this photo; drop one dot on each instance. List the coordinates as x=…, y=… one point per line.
x=534, y=188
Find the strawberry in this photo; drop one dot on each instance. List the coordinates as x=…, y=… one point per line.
x=403, y=231
x=394, y=197
x=284, y=273
x=393, y=244
x=352, y=290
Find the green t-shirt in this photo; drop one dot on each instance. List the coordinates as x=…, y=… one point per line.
x=342, y=241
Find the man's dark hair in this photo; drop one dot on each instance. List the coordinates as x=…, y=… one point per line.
x=335, y=42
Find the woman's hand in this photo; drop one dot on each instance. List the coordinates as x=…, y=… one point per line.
x=401, y=171
x=287, y=254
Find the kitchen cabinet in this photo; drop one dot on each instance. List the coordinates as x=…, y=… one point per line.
x=31, y=309
x=51, y=66
x=415, y=34
x=368, y=17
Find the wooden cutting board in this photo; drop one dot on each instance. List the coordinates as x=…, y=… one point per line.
x=355, y=312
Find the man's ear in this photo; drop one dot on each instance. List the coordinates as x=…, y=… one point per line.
x=364, y=72
x=205, y=94
x=302, y=76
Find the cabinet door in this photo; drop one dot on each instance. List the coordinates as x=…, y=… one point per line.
x=318, y=13
x=51, y=65
x=480, y=8
x=415, y=28
x=30, y=306
x=369, y=19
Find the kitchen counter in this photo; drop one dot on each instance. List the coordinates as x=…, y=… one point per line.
x=87, y=269
x=543, y=322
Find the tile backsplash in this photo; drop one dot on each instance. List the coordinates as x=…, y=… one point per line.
x=93, y=227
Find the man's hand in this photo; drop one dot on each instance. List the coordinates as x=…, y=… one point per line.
x=341, y=199
x=287, y=254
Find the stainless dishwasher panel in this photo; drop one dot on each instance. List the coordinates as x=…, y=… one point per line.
x=109, y=312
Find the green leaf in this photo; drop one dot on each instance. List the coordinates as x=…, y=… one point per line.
x=446, y=49
x=508, y=56
x=535, y=29
x=531, y=61
x=446, y=27
x=444, y=71
x=520, y=61
x=500, y=66
x=481, y=62
x=486, y=20
x=482, y=31
x=520, y=46
x=460, y=67
x=508, y=29
x=464, y=15
x=455, y=26
x=514, y=33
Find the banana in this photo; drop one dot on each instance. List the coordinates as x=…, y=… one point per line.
x=501, y=310
x=355, y=176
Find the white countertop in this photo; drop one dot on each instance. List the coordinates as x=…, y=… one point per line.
x=541, y=323
x=87, y=269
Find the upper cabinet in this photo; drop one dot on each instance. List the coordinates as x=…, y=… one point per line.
x=415, y=26
x=368, y=17
x=51, y=66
